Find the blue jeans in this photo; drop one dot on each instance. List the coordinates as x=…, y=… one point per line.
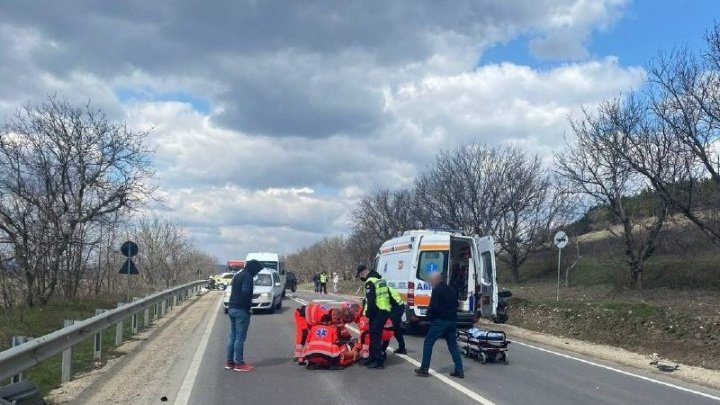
x=442, y=329
x=239, y=324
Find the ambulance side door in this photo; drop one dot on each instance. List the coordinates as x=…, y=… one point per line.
x=488, y=289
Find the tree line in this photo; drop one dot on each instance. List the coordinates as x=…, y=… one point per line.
x=72, y=182
x=662, y=143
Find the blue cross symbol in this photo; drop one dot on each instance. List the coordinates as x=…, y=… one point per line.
x=322, y=332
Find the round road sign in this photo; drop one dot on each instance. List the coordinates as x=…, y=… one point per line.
x=560, y=240
x=129, y=249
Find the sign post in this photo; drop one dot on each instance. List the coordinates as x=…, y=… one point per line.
x=560, y=241
x=129, y=249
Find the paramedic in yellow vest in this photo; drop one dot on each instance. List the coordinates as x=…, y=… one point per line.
x=397, y=308
x=377, y=310
x=323, y=282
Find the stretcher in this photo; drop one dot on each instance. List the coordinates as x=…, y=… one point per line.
x=484, y=345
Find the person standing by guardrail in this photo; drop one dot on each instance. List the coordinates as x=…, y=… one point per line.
x=323, y=282
x=443, y=324
x=239, y=307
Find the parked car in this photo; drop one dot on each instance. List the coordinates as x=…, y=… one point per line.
x=291, y=281
x=267, y=293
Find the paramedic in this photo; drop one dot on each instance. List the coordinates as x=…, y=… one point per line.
x=377, y=309
x=396, y=312
x=443, y=324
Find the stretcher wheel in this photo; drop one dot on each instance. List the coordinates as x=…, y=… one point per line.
x=467, y=352
x=483, y=358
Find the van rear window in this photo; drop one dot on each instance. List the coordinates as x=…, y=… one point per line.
x=432, y=261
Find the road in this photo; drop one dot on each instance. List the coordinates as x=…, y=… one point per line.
x=534, y=376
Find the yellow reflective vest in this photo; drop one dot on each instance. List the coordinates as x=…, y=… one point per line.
x=382, y=294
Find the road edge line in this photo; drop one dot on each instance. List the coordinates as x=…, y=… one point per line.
x=459, y=387
x=617, y=370
x=186, y=388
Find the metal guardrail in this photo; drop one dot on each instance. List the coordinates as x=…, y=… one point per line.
x=19, y=358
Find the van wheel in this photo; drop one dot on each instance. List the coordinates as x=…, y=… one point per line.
x=293, y=288
x=279, y=304
x=271, y=309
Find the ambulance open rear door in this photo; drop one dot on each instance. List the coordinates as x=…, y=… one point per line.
x=485, y=263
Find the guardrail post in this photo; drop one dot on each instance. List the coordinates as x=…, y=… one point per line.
x=97, y=346
x=119, y=329
x=163, y=307
x=175, y=300
x=135, y=319
x=16, y=341
x=146, y=317
x=66, y=368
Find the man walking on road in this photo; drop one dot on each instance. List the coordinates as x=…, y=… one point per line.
x=443, y=324
x=239, y=305
x=377, y=310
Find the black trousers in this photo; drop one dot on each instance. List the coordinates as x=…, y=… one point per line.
x=377, y=324
x=396, y=317
x=323, y=288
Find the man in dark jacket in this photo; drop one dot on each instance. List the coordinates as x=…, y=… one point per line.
x=239, y=307
x=443, y=324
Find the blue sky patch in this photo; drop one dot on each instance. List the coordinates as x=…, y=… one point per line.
x=130, y=94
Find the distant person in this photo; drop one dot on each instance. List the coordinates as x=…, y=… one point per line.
x=316, y=281
x=442, y=313
x=323, y=282
x=239, y=307
x=336, y=282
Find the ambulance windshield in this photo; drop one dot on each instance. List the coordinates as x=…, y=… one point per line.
x=431, y=261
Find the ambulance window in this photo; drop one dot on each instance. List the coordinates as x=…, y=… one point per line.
x=487, y=266
x=432, y=261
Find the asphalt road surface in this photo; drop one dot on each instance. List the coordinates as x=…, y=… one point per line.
x=533, y=376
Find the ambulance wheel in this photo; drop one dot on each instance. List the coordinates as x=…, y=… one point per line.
x=226, y=310
x=483, y=358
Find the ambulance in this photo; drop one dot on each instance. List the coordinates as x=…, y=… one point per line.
x=467, y=264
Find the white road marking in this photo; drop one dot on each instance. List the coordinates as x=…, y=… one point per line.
x=652, y=380
x=459, y=387
x=183, y=395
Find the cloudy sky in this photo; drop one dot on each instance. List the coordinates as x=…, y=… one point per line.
x=271, y=118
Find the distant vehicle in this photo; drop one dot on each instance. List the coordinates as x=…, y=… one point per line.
x=224, y=280
x=235, y=265
x=267, y=293
x=468, y=264
x=290, y=281
x=270, y=261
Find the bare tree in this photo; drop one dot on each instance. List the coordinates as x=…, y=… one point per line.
x=61, y=169
x=463, y=189
x=678, y=153
x=594, y=167
x=380, y=216
x=533, y=206
x=329, y=255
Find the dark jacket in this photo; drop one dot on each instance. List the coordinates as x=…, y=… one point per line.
x=443, y=303
x=372, y=309
x=242, y=286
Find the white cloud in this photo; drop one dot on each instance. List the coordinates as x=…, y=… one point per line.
x=313, y=103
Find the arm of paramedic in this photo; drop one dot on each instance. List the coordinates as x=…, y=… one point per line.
x=370, y=298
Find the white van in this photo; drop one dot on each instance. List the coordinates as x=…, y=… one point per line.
x=466, y=263
x=270, y=261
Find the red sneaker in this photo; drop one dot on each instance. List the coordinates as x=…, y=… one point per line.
x=243, y=367
x=229, y=365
